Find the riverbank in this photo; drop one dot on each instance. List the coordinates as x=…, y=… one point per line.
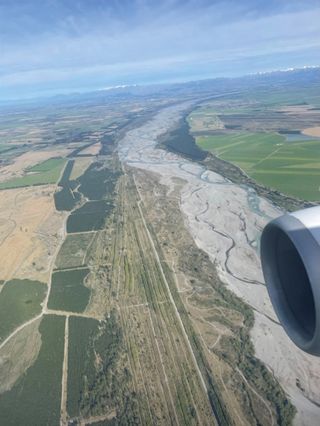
x=225, y=220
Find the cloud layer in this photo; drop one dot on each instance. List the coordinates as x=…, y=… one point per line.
x=53, y=46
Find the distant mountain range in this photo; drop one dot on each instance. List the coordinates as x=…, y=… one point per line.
x=307, y=74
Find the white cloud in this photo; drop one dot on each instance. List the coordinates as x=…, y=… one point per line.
x=169, y=38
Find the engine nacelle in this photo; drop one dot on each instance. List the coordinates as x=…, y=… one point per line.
x=290, y=256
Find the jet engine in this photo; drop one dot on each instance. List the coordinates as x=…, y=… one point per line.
x=290, y=257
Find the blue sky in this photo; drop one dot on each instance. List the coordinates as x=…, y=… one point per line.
x=61, y=46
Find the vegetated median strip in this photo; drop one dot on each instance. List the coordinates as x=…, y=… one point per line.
x=70, y=268
x=163, y=367
x=84, y=232
x=70, y=314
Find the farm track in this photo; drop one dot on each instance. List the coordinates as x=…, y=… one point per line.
x=258, y=396
x=21, y=327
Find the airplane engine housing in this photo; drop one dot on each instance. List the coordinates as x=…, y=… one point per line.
x=290, y=257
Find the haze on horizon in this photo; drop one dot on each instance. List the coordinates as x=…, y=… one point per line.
x=61, y=46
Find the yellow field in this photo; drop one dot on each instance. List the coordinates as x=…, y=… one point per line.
x=28, y=222
x=26, y=160
x=79, y=166
x=92, y=149
x=312, y=131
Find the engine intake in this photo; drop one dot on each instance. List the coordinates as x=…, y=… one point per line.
x=290, y=257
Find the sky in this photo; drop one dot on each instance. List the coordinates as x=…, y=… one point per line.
x=49, y=47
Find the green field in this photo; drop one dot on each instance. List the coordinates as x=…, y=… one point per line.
x=44, y=173
x=47, y=166
x=35, y=399
x=95, y=388
x=98, y=182
x=81, y=357
x=73, y=252
x=86, y=222
x=19, y=301
x=68, y=292
x=292, y=167
x=65, y=198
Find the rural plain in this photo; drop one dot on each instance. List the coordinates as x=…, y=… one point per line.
x=131, y=289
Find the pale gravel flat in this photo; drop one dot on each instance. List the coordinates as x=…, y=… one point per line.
x=225, y=221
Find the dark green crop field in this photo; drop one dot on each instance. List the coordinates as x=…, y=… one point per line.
x=292, y=167
x=68, y=292
x=19, y=301
x=35, y=399
x=94, y=389
x=44, y=173
x=180, y=140
x=86, y=222
x=90, y=217
x=81, y=369
x=65, y=197
x=66, y=173
x=98, y=182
